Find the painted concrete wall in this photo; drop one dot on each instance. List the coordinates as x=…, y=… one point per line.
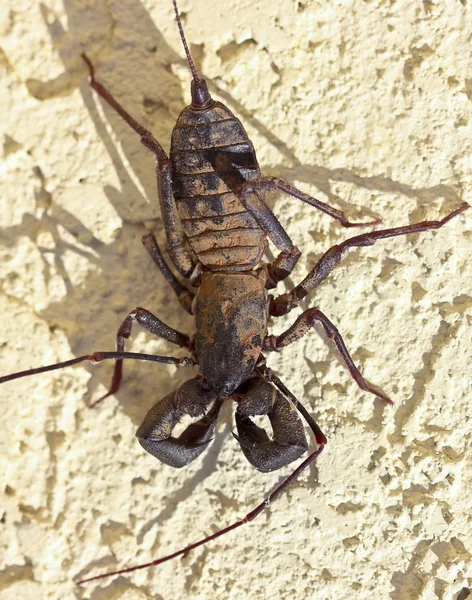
x=366, y=105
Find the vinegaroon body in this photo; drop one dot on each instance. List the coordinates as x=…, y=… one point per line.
x=213, y=176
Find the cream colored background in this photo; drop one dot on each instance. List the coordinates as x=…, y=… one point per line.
x=367, y=105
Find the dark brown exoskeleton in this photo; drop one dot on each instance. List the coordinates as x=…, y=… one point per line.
x=213, y=176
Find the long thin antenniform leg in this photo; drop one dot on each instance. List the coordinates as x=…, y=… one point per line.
x=152, y=324
x=284, y=303
x=184, y=295
x=249, y=517
x=302, y=325
x=256, y=511
x=181, y=259
x=97, y=357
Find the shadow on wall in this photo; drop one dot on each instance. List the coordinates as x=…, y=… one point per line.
x=409, y=585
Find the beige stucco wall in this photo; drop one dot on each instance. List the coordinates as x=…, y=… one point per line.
x=367, y=105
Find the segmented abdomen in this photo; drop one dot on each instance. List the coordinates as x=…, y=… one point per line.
x=211, y=156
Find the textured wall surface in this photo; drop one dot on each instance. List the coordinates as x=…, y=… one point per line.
x=364, y=104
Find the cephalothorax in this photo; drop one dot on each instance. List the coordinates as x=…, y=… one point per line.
x=214, y=179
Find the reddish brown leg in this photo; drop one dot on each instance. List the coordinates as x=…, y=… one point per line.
x=256, y=511
x=147, y=138
x=97, y=357
x=289, y=254
x=152, y=324
x=284, y=303
x=282, y=266
x=274, y=183
x=181, y=259
x=301, y=326
x=253, y=201
x=184, y=295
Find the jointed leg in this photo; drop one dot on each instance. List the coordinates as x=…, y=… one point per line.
x=289, y=254
x=248, y=518
x=184, y=295
x=180, y=257
x=274, y=183
x=282, y=266
x=97, y=357
x=152, y=324
x=147, y=139
x=253, y=201
x=182, y=260
x=301, y=326
x=284, y=303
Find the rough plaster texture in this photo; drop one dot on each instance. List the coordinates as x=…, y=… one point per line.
x=367, y=105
